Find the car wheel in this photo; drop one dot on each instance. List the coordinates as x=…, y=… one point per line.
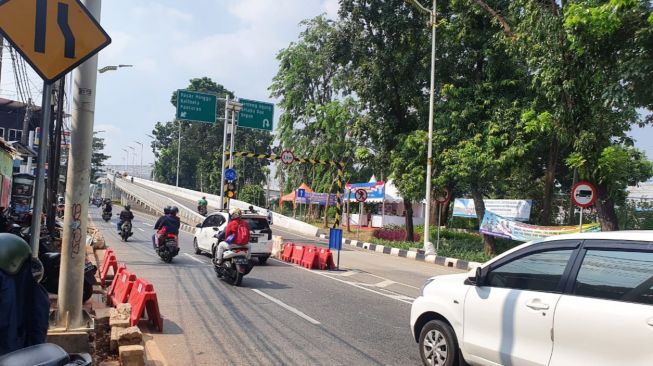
x=263, y=260
x=437, y=344
x=196, y=247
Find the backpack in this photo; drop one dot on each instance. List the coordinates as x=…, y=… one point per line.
x=242, y=233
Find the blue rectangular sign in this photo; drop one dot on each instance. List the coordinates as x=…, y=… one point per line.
x=335, y=239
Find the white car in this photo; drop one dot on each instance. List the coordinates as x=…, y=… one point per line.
x=260, y=243
x=581, y=299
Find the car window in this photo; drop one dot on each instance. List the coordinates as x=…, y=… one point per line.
x=219, y=220
x=616, y=275
x=257, y=223
x=211, y=221
x=540, y=271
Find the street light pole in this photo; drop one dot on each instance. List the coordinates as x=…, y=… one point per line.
x=140, y=143
x=133, y=155
x=428, y=246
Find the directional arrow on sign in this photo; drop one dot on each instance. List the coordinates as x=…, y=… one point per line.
x=53, y=36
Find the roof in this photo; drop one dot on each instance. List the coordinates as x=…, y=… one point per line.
x=15, y=105
x=291, y=196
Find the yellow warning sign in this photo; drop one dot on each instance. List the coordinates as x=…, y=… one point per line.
x=54, y=36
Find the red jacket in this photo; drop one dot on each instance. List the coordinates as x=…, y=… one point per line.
x=232, y=228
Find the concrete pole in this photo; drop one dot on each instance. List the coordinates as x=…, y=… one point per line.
x=73, y=250
x=35, y=229
x=428, y=246
x=30, y=143
x=224, y=148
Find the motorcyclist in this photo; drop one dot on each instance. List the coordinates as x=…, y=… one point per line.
x=202, y=205
x=107, y=206
x=125, y=215
x=157, y=225
x=167, y=224
x=236, y=221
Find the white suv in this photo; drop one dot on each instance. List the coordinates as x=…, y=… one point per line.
x=583, y=299
x=260, y=238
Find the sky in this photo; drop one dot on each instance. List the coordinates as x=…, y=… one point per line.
x=170, y=42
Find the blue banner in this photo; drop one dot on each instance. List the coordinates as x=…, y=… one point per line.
x=375, y=190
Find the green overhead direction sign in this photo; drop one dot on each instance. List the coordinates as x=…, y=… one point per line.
x=255, y=114
x=196, y=107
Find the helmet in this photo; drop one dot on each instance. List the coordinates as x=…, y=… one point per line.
x=166, y=210
x=128, y=207
x=174, y=210
x=236, y=213
x=203, y=197
x=14, y=252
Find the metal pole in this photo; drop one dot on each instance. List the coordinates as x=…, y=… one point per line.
x=437, y=248
x=178, y=153
x=428, y=246
x=580, y=226
x=35, y=229
x=73, y=251
x=224, y=148
x=233, y=137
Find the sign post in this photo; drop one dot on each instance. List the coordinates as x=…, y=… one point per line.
x=361, y=197
x=335, y=242
x=256, y=115
x=583, y=194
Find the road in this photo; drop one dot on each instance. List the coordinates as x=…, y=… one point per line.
x=282, y=314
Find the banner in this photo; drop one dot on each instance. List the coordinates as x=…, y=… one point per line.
x=375, y=190
x=496, y=225
x=321, y=198
x=519, y=210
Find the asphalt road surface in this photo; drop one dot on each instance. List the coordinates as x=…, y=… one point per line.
x=281, y=315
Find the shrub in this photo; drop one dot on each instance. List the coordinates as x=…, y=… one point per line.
x=393, y=234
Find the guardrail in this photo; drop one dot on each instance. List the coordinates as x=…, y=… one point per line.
x=214, y=200
x=157, y=201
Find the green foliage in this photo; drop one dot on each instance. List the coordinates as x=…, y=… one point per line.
x=407, y=166
x=253, y=194
x=97, y=158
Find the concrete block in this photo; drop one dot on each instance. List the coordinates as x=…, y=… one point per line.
x=129, y=336
x=119, y=317
x=132, y=355
x=72, y=342
x=113, y=341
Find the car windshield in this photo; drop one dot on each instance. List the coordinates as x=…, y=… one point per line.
x=257, y=223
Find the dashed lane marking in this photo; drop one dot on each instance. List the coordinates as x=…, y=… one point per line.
x=287, y=307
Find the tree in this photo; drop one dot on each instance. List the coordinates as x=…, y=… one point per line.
x=253, y=194
x=97, y=158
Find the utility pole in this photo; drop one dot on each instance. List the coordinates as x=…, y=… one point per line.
x=2, y=43
x=73, y=250
x=178, y=153
x=26, y=119
x=224, y=149
x=55, y=158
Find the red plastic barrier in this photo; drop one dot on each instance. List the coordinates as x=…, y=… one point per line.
x=297, y=254
x=325, y=259
x=112, y=287
x=107, y=253
x=287, y=252
x=124, y=282
x=309, y=260
x=110, y=261
x=142, y=297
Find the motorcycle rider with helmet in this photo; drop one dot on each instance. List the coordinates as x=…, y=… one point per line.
x=236, y=221
x=167, y=224
x=125, y=215
x=107, y=206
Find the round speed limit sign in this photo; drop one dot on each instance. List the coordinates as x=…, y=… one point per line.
x=287, y=157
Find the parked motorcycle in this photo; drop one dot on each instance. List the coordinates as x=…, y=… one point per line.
x=168, y=247
x=46, y=354
x=235, y=263
x=126, y=230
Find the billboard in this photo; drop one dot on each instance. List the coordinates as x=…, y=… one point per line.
x=375, y=190
x=519, y=210
x=501, y=227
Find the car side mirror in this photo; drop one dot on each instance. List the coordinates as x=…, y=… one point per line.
x=198, y=226
x=477, y=279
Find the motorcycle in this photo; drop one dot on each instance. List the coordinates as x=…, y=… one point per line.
x=168, y=247
x=126, y=230
x=235, y=262
x=46, y=354
x=106, y=216
x=202, y=210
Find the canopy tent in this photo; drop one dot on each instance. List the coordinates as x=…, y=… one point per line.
x=290, y=197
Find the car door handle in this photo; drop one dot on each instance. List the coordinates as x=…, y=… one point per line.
x=650, y=322
x=537, y=305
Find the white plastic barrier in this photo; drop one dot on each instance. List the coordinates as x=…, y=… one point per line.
x=279, y=220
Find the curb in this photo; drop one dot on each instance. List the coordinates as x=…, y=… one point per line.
x=417, y=255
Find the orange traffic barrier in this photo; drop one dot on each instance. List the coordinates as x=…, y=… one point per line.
x=309, y=260
x=112, y=287
x=124, y=282
x=325, y=259
x=287, y=252
x=297, y=254
x=110, y=262
x=143, y=298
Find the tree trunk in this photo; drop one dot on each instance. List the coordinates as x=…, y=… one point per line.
x=489, y=247
x=549, y=181
x=410, y=230
x=445, y=214
x=605, y=208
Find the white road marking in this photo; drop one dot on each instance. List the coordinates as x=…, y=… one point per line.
x=385, y=283
x=287, y=307
x=402, y=298
x=193, y=258
x=140, y=229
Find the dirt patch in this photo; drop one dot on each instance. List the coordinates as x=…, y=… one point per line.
x=101, y=341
